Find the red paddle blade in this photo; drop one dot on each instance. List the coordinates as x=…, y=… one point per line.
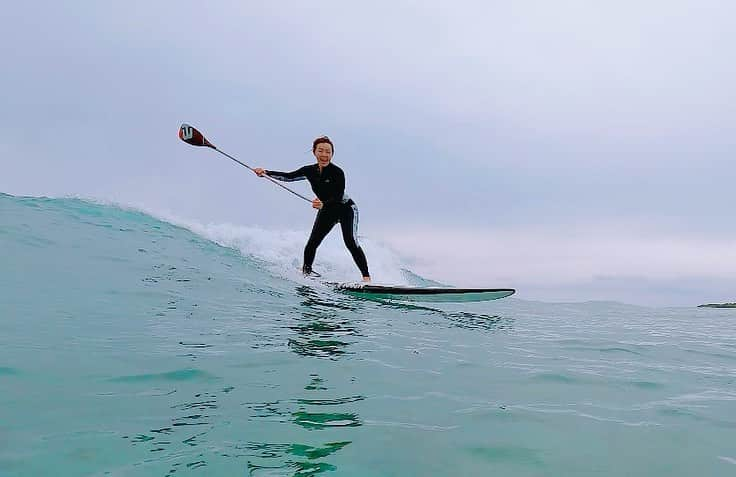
x=190, y=135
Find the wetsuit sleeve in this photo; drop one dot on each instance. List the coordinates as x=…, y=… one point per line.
x=297, y=175
x=337, y=189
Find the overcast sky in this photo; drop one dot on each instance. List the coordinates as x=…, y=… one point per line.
x=573, y=149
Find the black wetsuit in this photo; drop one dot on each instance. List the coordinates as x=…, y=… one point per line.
x=329, y=186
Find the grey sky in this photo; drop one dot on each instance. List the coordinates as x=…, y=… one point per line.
x=501, y=120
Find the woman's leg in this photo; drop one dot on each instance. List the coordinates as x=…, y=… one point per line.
x=323, y=223
x=349, y=226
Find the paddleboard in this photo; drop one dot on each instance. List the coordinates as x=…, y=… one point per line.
x=423, y=294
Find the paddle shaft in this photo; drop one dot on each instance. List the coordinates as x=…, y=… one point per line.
x=265, y=175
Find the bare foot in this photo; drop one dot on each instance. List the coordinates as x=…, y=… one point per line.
x=367, y=279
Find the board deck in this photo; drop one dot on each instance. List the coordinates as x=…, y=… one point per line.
x=424, y=294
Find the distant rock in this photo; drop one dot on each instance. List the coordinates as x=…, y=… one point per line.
x=718, y=305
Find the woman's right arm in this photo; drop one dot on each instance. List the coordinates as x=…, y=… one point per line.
x=297, y=175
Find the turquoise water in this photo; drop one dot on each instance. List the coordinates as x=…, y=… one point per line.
x=130, y=346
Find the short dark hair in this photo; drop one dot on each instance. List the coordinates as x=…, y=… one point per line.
x=322, y=140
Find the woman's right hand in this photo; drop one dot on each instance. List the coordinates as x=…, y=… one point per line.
x=259, y=172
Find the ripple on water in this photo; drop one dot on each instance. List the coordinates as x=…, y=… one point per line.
x=556, y=378
x=330, y=402
x=189, y=374
x=268, y=451
x=323, y=420
x=508, y=455
x=646, y=384
x=288, y=458
x=290, y=468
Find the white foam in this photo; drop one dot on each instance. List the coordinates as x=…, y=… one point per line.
x=282, y=250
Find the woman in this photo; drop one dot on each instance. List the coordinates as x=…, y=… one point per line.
x=333, y=204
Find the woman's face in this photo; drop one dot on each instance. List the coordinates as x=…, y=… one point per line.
x=323, y=153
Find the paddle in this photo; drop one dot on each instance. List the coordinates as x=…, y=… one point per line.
x=190, y=135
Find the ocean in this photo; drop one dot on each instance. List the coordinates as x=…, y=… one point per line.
x=141, y=345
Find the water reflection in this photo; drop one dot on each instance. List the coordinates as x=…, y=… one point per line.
x=324, y=420
x=312, y=413
x=312, y=298
x=299, y=468
x=189, y=428
x=269, y=451
x=317, y=384
x=321, y=326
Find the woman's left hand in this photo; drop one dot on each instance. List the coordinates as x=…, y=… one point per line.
x=317, y=204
